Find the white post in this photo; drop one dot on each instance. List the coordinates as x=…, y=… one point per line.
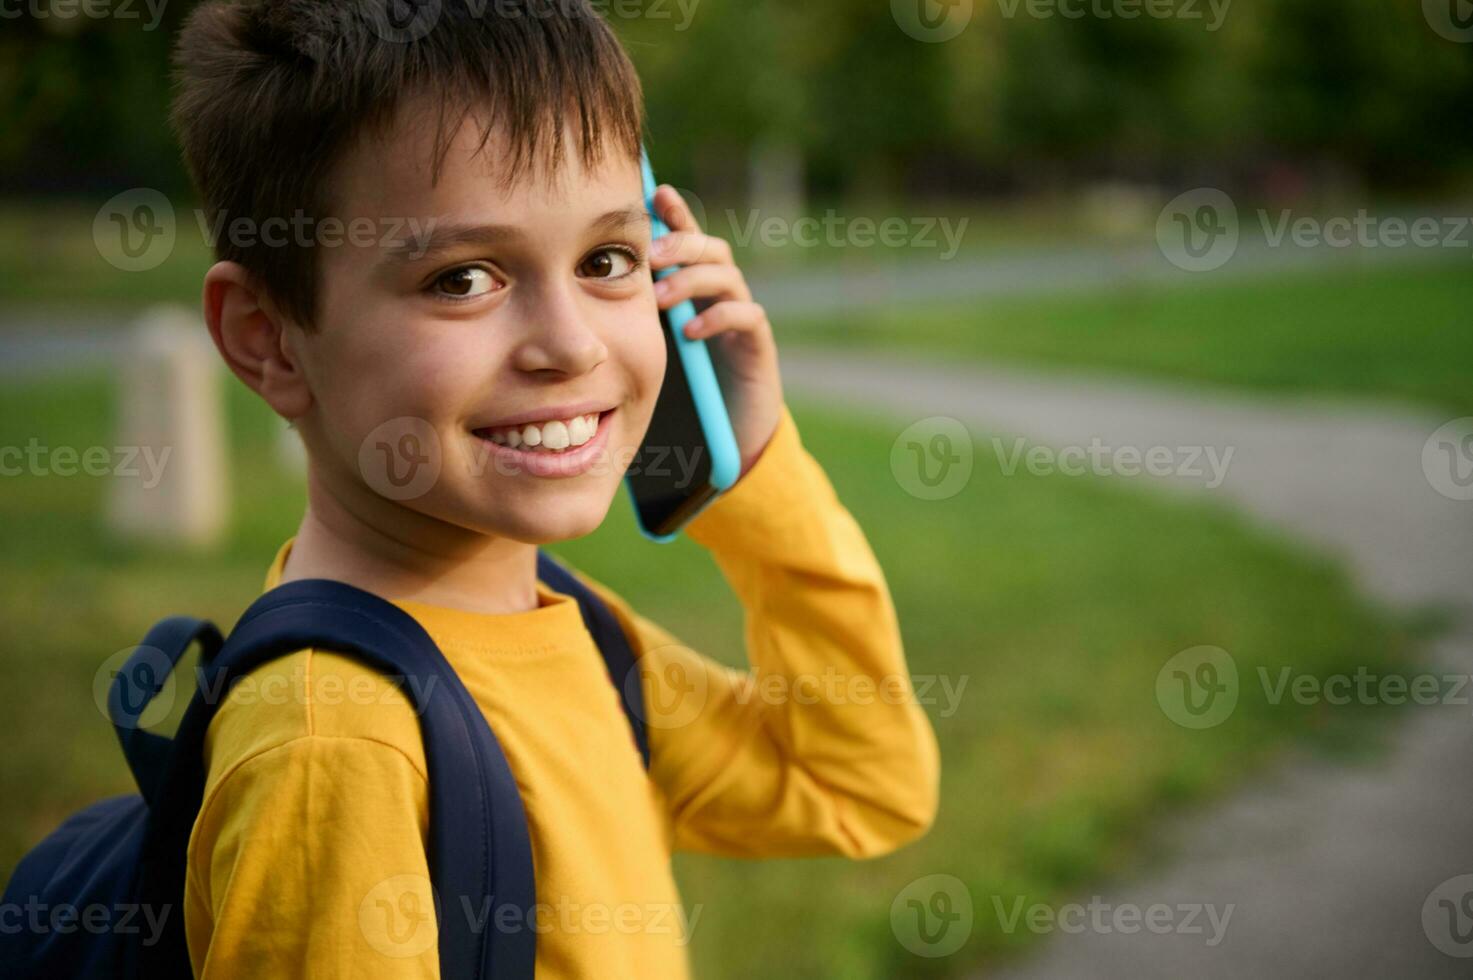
x=171, y=415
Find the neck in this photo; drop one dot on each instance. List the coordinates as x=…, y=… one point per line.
x=414, y=557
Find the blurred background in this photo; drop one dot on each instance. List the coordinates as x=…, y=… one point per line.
x=1135, y=333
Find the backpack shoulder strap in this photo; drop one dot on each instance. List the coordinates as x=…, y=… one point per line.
x=139, y=680
x=480, y=855
x=612, y=643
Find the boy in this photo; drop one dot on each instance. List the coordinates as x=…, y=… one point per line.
x=509, y=345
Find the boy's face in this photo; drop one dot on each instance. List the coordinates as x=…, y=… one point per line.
x=481, y=309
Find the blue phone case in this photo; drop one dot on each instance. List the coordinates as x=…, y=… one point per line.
x=695, y=358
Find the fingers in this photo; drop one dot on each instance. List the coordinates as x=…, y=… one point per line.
x=709, y=274
x=686, y=244
x=703, y=281
x=671, y=207
x=732, y=316
x=689, y=248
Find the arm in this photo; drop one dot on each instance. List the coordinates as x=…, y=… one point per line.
x=308, y=857
x=820, y=747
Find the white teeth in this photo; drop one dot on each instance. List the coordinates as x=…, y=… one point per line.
x=551, y=436
x=555, y=435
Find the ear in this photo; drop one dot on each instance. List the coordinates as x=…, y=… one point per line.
x=255, y=340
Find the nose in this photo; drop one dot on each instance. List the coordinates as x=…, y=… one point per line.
x=560, y=335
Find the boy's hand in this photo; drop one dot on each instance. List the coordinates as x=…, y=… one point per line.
x=743, y=350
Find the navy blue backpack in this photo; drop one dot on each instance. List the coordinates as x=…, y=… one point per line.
x=128, y=852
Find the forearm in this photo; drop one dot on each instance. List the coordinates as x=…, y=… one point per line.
x=829, y=683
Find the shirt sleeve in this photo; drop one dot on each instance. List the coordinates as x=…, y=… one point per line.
x=306, y=861
x=820, y=747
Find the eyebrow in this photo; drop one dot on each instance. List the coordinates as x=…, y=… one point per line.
x=443, y=237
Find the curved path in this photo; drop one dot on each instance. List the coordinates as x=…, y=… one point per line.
x=1327, y=865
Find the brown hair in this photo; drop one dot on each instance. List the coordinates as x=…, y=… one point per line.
x=271, y=93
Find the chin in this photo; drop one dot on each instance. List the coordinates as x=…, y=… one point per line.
x=548, y=522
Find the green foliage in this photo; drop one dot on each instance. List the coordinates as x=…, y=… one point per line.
x=1365, y=85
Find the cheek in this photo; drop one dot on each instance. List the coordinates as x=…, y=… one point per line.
x=644, y=352
x=379, y=368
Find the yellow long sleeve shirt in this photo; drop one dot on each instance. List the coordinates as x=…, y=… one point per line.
x=308, y=857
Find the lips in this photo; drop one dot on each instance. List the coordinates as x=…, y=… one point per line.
x=540, y=461
x=550, y=412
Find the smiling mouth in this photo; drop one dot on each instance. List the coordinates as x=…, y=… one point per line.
x=550, y=438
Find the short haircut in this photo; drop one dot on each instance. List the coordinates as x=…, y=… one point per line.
x=271, y=93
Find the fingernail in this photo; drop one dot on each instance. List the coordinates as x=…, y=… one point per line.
x=661, y=288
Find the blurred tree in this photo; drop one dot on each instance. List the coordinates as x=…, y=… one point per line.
x=1362, y=87
x=1365, y=82
x=87, y=98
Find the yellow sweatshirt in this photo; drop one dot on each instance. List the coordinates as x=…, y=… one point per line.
x=308, y=856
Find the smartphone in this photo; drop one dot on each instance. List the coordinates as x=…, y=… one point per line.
x=689, y=455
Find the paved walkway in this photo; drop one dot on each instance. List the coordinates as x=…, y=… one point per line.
x=1328, y=865
x=862, y=285
x=39, y=339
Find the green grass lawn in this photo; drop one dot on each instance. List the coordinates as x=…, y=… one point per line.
x=1403, y=332
x=51, y=261
x=1056, y=600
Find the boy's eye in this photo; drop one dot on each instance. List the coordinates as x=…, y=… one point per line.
x=465, y=283
x=610, y=263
